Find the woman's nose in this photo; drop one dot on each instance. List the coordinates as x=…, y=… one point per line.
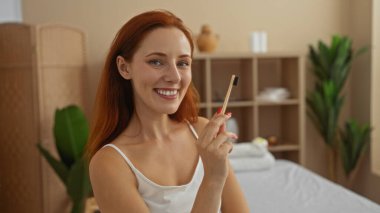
x=173, y=74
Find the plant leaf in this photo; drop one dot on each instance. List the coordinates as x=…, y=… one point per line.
x=71, y=132
x=59, y=168
x=353, y=142
x=78, y=182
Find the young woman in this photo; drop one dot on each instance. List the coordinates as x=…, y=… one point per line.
x=149, y=150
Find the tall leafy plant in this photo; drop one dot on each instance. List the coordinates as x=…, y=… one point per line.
x=71, y=133
x=331, y=65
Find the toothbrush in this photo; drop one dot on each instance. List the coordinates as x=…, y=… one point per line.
x=233, y=82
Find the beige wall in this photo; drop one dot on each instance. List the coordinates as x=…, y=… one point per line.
x=291, y=26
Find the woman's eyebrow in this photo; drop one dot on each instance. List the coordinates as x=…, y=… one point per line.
x=163, y=54
x=185, y=56
x=156, y=53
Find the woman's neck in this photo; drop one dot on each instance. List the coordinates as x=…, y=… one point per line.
x=149, y=126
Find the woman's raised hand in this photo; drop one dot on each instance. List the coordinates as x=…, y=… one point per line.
x=213, y=147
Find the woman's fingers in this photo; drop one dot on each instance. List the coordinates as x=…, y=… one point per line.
x=221, y=139
x=226, y=147
x=223, y=127
x=214, y=147
x=212, y=129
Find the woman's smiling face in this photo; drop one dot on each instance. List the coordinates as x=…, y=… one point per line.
x=160, y=70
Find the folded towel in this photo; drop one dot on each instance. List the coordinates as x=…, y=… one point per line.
x=257, y=148
x=252, y=163
x=275, y=94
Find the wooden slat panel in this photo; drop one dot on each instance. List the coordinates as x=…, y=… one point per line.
x=41, y=68
x=20, y=167
x=61, y=69
x=60, y=46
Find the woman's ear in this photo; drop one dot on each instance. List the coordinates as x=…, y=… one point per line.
x=123, y=66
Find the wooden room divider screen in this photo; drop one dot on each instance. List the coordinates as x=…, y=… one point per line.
x=41, y=68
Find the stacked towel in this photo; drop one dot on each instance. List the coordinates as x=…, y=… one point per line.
x=275, y=94
x=257, y=148
x=251, y=156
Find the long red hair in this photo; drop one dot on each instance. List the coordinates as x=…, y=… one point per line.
x=114, y=105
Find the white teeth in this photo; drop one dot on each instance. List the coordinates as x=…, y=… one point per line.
x=167, y=92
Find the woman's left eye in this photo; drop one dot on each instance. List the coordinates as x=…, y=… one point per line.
x=155, y=62
x=183, y=64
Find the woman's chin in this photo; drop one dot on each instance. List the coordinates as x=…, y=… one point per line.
x=170, y=110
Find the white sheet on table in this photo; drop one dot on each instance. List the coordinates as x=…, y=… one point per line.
x=289, y=188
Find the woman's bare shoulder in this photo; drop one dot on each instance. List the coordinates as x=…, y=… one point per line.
x=200, y=124
x=114, y=184
x=103, y=157
x=107, y=162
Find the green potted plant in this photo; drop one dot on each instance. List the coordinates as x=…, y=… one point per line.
x=71, y=133
x=331, y=66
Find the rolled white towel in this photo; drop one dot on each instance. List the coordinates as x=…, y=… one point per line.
x=257, y=148
x=253, y=163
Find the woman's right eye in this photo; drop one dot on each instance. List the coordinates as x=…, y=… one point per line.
x=155, y=62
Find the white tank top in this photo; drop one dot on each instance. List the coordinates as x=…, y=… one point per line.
x=167, y=199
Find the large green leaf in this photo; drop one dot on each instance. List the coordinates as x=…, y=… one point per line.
x=71, y=132
x=59, y=168
x=78, y=182
x=79, y=206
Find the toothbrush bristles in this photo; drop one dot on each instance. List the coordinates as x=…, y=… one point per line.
x=236, y=80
